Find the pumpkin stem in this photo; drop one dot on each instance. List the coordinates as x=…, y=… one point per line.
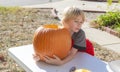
x=54, y=26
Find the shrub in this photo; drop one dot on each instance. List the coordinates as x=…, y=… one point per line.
x=110, y=19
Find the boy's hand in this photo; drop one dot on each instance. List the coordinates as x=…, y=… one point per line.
x=36, y=57
x=55, y=61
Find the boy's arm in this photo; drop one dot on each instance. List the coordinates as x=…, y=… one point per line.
x=70, y=55
x=57, y=61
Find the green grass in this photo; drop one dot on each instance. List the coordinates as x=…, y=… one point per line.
x=5, y=10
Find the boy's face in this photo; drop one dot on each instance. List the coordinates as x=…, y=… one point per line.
x=75, y=24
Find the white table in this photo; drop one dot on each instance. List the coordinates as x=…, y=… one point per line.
x=23, y=56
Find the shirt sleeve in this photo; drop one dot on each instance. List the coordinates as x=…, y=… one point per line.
x=79, y=40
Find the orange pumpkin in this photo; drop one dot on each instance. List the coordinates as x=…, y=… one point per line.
x=51, y=40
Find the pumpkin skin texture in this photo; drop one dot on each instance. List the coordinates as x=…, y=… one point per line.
x=51, y=40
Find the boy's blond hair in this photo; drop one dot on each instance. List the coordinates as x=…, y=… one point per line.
x=72, y=13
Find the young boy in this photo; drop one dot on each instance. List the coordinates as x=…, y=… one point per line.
x=72, y=19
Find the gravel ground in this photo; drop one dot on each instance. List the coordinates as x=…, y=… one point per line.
x=17, y=28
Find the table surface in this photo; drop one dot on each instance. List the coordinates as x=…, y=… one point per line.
x=23, y=56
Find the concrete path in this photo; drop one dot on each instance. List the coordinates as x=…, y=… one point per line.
x=102, y=38
x=84, y=5
x=24, y=2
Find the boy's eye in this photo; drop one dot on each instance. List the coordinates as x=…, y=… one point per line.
x=78, y=22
